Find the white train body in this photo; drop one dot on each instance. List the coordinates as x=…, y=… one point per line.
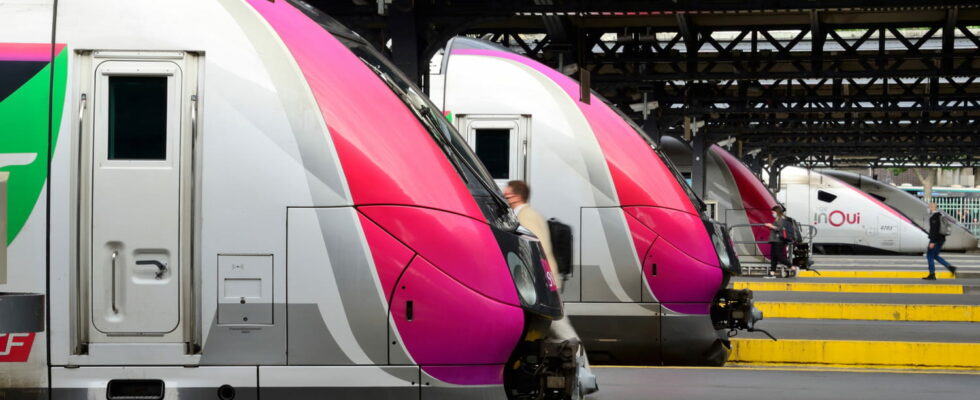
x=845, y=216
x=960, y=237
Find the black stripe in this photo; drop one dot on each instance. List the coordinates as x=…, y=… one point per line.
x=13, y=75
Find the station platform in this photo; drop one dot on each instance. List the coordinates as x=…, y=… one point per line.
x=760, y=383
x=867, y=312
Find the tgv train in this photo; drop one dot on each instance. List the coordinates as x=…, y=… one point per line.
x=916, y=210
x=847, y=219
x=244, y=199
x=735, y=193
x=649, y=265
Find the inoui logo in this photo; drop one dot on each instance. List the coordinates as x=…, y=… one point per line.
x=15, y=347
x=837, y=218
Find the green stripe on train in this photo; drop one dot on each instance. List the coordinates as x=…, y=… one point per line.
x=24, y=140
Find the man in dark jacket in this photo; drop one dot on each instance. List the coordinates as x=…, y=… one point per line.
x=777, y=249
x=936, y=241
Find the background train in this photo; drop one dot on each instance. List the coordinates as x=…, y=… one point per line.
x=248, y=189
x=913, y=208
x=736, y=196
x=847, y=219
x=649, y=264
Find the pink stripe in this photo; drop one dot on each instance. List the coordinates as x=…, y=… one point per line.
x=28, y=51
x=756, y=198
x=390, y=256
x=867, y=196
x=451, y=324
x=463, y=248
x=387, y=155
x=680, y=229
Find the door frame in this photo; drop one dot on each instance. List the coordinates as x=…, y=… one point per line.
x=466, y=124
x=185, y=339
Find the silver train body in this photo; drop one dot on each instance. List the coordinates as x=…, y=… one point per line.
x=237, y=199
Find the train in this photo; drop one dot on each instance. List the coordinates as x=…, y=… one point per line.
x=737, y=197
x=847, y=219
x=241, y=198
x=916, y=210
x=650, y=269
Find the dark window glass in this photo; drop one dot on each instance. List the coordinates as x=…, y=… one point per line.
x=137, y=118
x=877, y=196
x=493, y=149
x=826, y=197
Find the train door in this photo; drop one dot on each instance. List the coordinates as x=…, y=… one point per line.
x=135, y=185
x=501, y=142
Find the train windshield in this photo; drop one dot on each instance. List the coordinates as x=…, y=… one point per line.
x=474, y=174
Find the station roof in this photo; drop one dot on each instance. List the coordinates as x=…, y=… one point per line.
x=831, y=83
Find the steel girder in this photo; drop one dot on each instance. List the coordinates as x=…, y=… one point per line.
x=804, y=81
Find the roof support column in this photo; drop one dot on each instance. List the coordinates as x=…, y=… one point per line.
x=699, y=145
x=403, y=26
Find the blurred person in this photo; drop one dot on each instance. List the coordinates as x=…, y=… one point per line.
x=518, y=193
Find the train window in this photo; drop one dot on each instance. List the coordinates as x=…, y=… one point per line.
x=826, y=197
x=877, y=196
x=493, y=149
x=137, y=118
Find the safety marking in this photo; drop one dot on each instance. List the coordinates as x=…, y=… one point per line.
x=855, y=353
x=870, y=274
x=739, y=366
x=850, y=287
x=871, y=312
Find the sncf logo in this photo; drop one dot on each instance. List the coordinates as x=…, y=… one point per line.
x=15, y=347
x=837, y=218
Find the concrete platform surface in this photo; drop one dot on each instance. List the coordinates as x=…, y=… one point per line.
x=741, y=383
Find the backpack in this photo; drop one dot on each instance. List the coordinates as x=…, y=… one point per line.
x=944, y=225
x=791, y=231
x=561, y=245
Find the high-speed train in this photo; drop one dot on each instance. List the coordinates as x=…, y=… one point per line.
x=737, y=195
x=960, y=237
x=244, y=199
x=648, y=264
x=847, y=219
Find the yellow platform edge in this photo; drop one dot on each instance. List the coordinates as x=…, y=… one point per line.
x=852, y=353
x=871, y=274
x=850, y=287
x=871, y=312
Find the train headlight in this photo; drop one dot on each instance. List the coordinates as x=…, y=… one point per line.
x=522, y=279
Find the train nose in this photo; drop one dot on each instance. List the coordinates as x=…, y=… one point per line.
x=549, y=359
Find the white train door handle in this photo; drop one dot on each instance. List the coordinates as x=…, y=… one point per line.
x=161, y=267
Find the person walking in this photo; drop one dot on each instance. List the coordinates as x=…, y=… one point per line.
x=777, y=241
x=518, y=194
x=937, y=237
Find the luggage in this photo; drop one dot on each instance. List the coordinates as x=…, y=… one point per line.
x=561, y=245
x=944, y=225
x=791, y=231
